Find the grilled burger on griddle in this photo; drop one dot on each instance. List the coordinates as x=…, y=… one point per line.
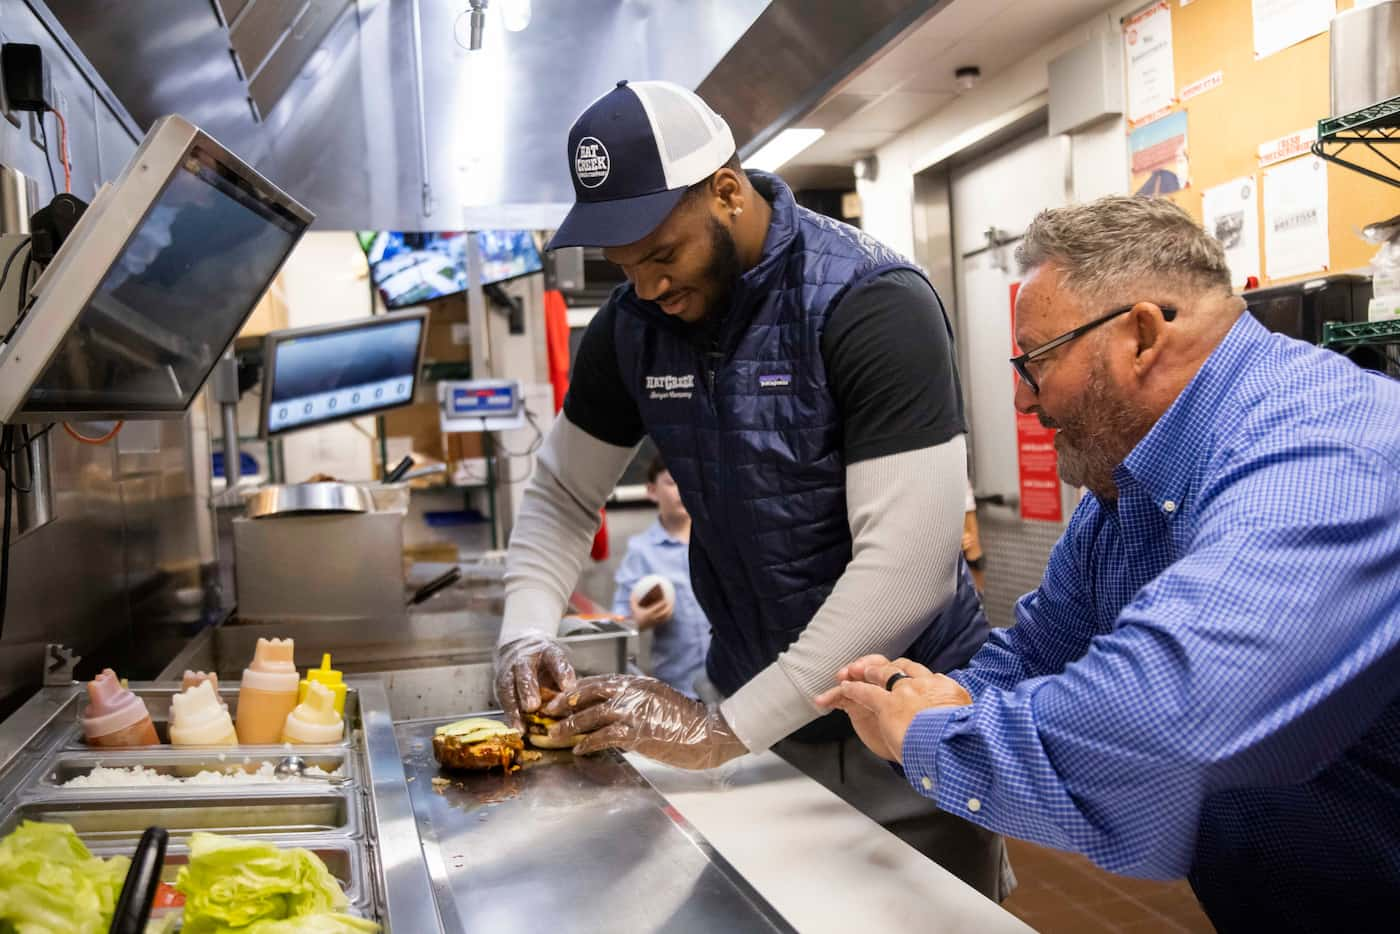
x=478, y=743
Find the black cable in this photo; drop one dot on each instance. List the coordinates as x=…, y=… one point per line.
x=48, y=162
x=6, y=435
x=10, y=260
x=20, y=307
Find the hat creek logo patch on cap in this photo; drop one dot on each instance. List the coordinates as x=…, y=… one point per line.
x=591, y=162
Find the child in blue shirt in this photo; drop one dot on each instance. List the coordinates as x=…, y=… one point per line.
x=681, y=631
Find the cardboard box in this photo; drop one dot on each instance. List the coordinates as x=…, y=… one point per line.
x=418, y=422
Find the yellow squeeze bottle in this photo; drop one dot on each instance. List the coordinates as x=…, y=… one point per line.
x=327, y=676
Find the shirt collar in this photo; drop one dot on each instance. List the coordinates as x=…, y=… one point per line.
x=657, y=535
x=1161, y=461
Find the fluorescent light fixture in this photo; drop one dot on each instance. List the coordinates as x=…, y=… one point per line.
x=782, y=148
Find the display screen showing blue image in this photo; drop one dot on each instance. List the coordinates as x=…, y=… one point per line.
x=506, y=254
x=327, y=377
x=412, y=268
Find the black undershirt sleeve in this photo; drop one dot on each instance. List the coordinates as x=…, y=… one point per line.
x=891, y=366
x=597, y=400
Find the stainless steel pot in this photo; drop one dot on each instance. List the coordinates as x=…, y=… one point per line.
x=301, y=498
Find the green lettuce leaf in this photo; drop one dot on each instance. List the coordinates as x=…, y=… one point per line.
x=51, y=884
x=329, y=923
x=230, y=884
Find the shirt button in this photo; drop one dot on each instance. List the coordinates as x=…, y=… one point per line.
x=974, y=805
x=1169, y=506
x=927, y=783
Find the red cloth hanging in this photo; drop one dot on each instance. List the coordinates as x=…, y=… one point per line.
x=556, y=335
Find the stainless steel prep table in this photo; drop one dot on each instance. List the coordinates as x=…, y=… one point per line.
x=568, y=844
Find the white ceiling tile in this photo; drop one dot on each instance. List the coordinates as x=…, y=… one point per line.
x=835, y=110
x=896, y=111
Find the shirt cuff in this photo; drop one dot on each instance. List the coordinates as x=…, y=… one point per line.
x=767, y=709
x=921, y=744
x=530, y=610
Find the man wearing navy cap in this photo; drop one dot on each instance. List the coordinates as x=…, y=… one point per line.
x=799, y=380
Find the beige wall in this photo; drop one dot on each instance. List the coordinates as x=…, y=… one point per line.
x=1100, y=154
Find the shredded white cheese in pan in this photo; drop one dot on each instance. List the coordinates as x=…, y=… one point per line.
x=104, y=777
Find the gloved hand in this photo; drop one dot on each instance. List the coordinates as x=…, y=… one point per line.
x=647, y=716
x=520, y=664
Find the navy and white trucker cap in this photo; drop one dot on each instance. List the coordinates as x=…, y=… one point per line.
x=632, y=155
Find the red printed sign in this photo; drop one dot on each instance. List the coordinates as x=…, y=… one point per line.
x=1035, y=455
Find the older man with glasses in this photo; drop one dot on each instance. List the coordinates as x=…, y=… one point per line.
x=1207, y=681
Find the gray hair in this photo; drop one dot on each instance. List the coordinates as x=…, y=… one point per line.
x=1105, y=247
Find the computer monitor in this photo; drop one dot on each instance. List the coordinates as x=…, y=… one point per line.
x=411, y=268
x=316, y=375
x=151, y=286
x=506, y=254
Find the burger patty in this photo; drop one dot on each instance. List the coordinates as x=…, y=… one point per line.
x=503, y=750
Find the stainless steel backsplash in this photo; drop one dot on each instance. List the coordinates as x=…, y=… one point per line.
x=116, y=576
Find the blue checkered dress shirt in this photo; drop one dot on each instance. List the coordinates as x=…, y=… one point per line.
x=1207, y=681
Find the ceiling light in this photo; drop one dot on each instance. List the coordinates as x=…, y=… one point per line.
x=515, y=14
x=782, y=148
x=967, y=76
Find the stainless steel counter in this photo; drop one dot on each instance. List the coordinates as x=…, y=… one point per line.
x=568, y=844
x=363, y=829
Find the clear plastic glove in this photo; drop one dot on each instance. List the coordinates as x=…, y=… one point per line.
x=647, y=716
x=520, y=666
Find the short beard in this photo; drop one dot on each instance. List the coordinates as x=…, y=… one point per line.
x=722, y=270
x=1094, y=440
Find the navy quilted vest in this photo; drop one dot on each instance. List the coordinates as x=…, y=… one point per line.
x=749, y=429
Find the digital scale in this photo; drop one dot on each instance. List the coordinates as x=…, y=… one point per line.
x=481, y=405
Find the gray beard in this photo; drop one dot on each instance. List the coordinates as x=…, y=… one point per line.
x=1095, y=440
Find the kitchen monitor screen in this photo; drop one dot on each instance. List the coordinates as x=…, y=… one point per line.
x=177, y=293
x=317, y=378
x=413, y=268
x=506, y=254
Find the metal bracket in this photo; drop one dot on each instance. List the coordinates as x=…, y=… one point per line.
x=59, y=662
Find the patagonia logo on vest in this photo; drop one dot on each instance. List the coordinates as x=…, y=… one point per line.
x=671, y=387
x=774, y=382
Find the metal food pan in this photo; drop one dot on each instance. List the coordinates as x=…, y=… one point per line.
x=345, y=859
x=158, y=703
x=126, y=817
x=184, y=762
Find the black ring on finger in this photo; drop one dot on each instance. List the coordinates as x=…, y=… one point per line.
x=894, y=679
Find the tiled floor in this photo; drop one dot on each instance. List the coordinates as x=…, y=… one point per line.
x=1061, y=893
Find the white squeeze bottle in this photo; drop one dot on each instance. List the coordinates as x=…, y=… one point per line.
x=197, y=718
x=267, y=693
x=314, y=721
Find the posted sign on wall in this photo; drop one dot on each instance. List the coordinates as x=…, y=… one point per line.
x=1037, y=462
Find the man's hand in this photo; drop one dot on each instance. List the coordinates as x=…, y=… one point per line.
x=520, y=666
x=652, y=615
x=644, y=715
x=882, y=717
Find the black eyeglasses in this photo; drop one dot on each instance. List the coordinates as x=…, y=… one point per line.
x=1022, y=363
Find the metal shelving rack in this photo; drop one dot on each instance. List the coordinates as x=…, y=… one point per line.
x=1373, y=128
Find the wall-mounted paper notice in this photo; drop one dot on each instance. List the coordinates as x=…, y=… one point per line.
x=1230, y=213
x=1147, y=42
x=1281, y=23
x=1295, y=218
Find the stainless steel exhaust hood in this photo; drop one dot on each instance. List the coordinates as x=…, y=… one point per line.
x=320, y=95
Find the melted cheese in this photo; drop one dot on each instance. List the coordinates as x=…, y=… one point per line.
x=474, y=730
